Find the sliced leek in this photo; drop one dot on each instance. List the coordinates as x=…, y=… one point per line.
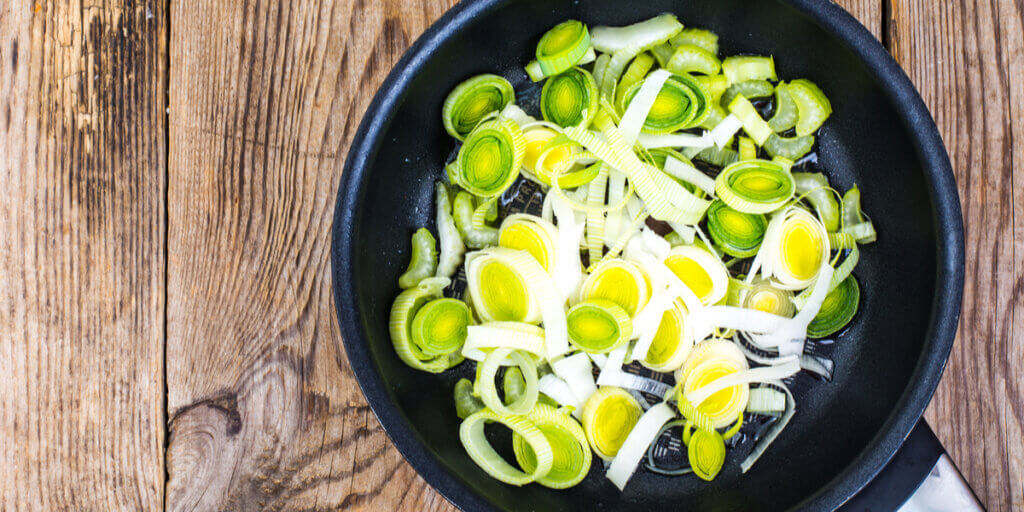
x=812, y=106
x=755, y=186
x=452, y=247
x=439, y=327
x=792, y=148
x=562, y=47
x=839, y=308
x=785, y=115
x=632, y=450
x=690, y=58
x=762, y=296
x=400, y=325
x=531, y=234
x=706, y=451
x=753, y=124
x=747, y=67
x=796, y=246
x=485, y=388
x=569, y=98
x=608, y=417
x=474, y=236
x=705, y=39
x=815, y=187
x=681, y=103
x=472, y=101
x=572, y=456
x=701, y=271
x=465, y=402
x=481, y=339
x=671, y=342
x=708, y=362
x=749, y=89
x=471, y=433
x=598, y=326
x=738, y=234
x=490, y=158
x=423, y=263
x=618, y=281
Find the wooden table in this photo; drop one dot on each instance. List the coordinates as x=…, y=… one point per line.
x=168, y=170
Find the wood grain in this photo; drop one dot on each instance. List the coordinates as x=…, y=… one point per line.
x=82, y=153
x=264, y=411
x=967, y=59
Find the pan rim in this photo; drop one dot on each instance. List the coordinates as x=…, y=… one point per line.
x=927, y=143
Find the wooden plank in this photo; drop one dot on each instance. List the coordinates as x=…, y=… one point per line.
x=264, y=410
x=868, y=12
x=966, y=57
x=82, y=162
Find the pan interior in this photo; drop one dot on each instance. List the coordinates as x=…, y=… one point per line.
x=864, y=142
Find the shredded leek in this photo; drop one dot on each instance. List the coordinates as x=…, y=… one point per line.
x=569, y=98
x=632, y=450
x=472, y=101
x=598, y=326
x=423, y=263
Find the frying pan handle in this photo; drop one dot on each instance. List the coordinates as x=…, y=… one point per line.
x=920, y=477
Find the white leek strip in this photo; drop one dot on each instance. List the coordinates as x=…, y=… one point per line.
x=654, y=244
x=759, y=358
x=546, y=211
x=595, y=217
x=513, y=112
x=578, y=372
x=648, y=320
x=760, y=374
x=773, y=432
x=688, y=173
x=796, y=327
x=568, y=271
x=452, y=248
x=556, y=389
x=636, y=114
x=600, y=66
x=616, y=194
x=687, y=233
x=599, y=359
x=674, y=140
x=626, y=380
x=766, y=400
x=723, y=132
x=513, y=335
x=643, y=34
x=644, y=404
x=742, y=319
x=541, y=288
x=633, y=449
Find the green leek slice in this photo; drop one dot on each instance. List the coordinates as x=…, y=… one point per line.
x=706, y=451
x=755, y=186
x=785, y=115
x=403, y=312
x=572, y=456
x=721, y=157
x=797, y=247
x=499, y=291
x=474, y=440
x=439, y=327
x=738, y=234
x=472, y=101
x=854, y=221
x=690, y=58
x=598, y=326
x=812, y=106
x=531, y=234
x=514, y=384
x=701, y=271
x=644, y=34
x=837, y=311
x=562, y=47
x=749, y=89
x=569, y=98
x=753, y=124
x=762, y=296
x=475, y=237
x=618, y=281
x=705, y=39
x=560, y=157
x=608, y=417
x=715, y=86
x=485, y=388
x=671, y=343
x=747, y=149
x=741, y=68
x=423, y=263
x=465, y=402
x=681, y=103
x=792, y=148
x=490, y=158
x=815, y=188
x=452, y=247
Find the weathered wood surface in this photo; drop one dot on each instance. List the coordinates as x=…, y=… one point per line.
x=967, y=59
x=82, y=160
x=104, y=231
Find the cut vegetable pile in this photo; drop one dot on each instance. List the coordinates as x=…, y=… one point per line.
x=685, y=254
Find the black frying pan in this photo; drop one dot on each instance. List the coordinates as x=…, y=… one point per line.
x=881, y=136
